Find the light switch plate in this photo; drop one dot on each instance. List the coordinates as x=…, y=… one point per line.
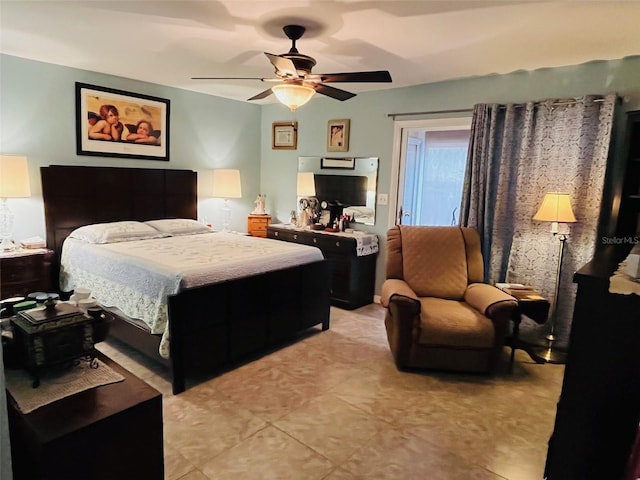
x=383, y=199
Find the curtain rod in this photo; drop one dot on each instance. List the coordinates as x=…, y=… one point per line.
x=432, y=112
x=467, y=110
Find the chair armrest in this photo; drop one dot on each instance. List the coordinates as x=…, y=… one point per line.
x=395, y=286
x=491, y=301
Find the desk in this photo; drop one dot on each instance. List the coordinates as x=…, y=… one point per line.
x=532, y=305
x=109, y=432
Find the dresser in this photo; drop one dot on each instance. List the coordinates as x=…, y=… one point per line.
x=257, y=225
x=599, y=407
x=352, y=260
x=629, y=214
x=25, y=271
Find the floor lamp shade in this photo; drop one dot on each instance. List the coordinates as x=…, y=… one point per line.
x=226, y=183
x=555, y=207
x=14, y=177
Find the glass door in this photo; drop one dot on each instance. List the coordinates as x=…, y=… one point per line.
x=429, y=164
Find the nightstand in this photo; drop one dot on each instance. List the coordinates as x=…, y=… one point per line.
x=532, y=305
x=24, y=271
x=257, y=225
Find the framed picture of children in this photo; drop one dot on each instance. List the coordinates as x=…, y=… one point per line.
x=338, y=135
x=114, y=123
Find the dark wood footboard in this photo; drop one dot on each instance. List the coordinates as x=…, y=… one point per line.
x=213, y=326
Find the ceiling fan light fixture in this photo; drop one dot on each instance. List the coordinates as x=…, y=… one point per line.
x=293, y=95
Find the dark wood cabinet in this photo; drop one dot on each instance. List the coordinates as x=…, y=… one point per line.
x=24, y=272
x=110, y=432
x=628, y=225
x=352, y=265
x=599, y=408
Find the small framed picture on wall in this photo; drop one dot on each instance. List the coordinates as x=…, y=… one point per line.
x=284, y=136
x=338, y=135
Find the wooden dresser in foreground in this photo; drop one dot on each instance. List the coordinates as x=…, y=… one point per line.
x=110, y=432
x=599, y=408
x=257, y=225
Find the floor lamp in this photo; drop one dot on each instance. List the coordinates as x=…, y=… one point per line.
x=226, y=185
x=555, y=208
x=14, y=183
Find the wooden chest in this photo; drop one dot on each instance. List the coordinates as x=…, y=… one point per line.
x=53, y=336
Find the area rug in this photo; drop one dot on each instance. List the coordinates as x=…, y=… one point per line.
x=56, y=384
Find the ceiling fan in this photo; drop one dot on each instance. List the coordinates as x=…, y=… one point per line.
x=296, y=83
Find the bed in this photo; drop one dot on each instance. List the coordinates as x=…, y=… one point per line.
x=211, y=325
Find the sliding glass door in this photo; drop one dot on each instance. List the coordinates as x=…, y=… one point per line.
x=429, y=163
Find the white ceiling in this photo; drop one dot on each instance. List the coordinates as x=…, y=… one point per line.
x=168, y=42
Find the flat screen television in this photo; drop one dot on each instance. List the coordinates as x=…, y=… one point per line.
x=342, y=190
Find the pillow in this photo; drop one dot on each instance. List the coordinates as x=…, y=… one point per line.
x=116, y=232
x=179, y=226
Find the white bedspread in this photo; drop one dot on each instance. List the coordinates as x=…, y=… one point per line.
x=138, y=276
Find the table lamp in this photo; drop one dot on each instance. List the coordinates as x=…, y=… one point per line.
x=226, y=185
x=555, y=208
x=305, y=188
x=14, y=183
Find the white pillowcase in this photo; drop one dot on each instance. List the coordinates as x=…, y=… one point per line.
x=116, y=232
x=179, y=226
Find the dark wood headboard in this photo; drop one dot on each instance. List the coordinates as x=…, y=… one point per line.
x=76, y=196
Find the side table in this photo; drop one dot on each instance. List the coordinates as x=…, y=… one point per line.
x=534, y=306
x=24, y=271
x=257, y=225
x=109, y=432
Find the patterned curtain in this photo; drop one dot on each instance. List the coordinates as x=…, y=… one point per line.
x=517, y=154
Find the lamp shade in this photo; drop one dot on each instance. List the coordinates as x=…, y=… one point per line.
x=226, y=183
x=14, y=177
x=306, y=185
x=556, y=207
x=293, y=95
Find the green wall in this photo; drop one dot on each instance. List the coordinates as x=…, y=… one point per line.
x=37, y=119
x=372, y=128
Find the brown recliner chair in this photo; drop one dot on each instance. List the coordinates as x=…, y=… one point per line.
x=439, y=313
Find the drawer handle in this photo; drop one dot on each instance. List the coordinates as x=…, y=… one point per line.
x=295, y=237
x=337, y=244
x=276, y=234
x=315, y=240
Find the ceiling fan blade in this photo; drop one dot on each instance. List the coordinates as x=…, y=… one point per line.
x=261, y=95
x=373, y=76
x=332, y=92
x=284, y=66
x=232, y=78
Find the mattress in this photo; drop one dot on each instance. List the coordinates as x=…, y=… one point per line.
x=138, y=276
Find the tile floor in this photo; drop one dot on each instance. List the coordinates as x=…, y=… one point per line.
x=333, y=406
